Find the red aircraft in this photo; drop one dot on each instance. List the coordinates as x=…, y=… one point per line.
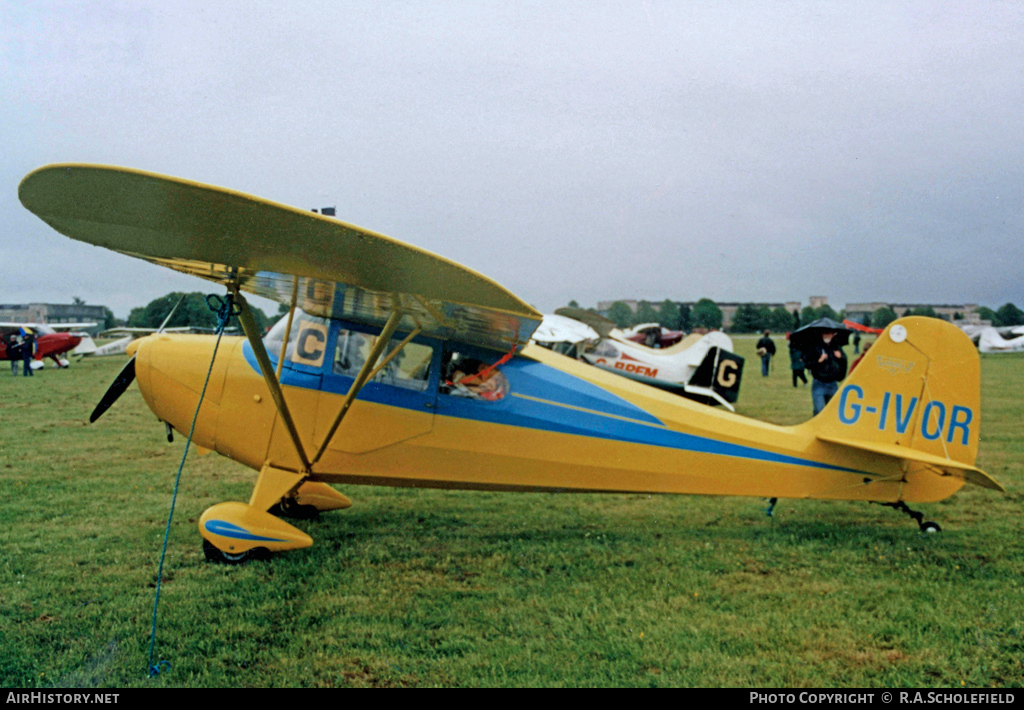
x=653, y=335
x=49, y=343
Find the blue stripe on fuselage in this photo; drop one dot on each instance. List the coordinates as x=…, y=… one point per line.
x=571, y=406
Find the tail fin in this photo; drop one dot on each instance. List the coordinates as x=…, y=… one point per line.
x=719, y=373
x=915, y=395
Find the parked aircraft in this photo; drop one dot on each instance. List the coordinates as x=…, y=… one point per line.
x=990, y=341
x=378, y=376
x=700, y=366
x=653, y=335
x=854, y=325
x=48, y=341
x=124, y=336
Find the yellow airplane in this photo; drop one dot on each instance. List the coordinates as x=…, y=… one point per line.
x=398, y=367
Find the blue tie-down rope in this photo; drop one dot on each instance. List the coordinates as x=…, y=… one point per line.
x=225, y=308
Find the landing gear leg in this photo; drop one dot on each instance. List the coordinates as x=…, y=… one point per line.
x=926, y=526
x=291, y=508
x=770, y=511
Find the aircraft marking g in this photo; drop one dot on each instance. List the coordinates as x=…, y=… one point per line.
x=896, y=412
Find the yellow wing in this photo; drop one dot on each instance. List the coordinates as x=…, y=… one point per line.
x=342, y=271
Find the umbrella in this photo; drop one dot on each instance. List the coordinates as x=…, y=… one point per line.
x=810, y=335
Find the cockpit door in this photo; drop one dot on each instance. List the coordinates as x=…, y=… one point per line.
x=395, y=405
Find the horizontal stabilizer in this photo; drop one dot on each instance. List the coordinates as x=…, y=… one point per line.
x=969, y=473
x=709, y=393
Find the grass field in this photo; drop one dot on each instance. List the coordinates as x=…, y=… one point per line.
x=436, y=588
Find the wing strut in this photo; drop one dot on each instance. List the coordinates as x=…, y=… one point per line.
x=252, y=332
x=288, y=327
x=365, y=372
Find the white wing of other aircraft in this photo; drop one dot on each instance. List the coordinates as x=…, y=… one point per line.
x=560, y=329
x=119, y=346
x=990, y=341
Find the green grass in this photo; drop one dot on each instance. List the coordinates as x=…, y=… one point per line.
x=436, y=588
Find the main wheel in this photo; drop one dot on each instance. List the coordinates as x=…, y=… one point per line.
x=930, y=527
x=215, y=554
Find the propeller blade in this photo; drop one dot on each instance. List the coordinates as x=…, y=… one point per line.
x=126, y=376
x=116, y=389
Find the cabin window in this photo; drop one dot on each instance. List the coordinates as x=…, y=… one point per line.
x=410, y=368
x=605, y=349
x=466, y=376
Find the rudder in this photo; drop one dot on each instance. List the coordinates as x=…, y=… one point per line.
x=915, y=395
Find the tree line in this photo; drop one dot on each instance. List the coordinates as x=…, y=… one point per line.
x=193, y=313
x=753, y=318
x=705, y=313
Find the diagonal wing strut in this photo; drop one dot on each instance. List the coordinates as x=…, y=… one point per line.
x=252, y=332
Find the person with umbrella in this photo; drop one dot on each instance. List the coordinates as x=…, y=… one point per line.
x=821, y=343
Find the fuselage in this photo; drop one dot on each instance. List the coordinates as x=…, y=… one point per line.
x=46, y=345
x=563, y=426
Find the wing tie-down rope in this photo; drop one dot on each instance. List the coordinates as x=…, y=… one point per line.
x=224, y=308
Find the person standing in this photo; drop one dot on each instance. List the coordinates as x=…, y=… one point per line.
x=28, y=350
x=796, y=364
x=766, y=349
x=827, y=363
x=13, y=353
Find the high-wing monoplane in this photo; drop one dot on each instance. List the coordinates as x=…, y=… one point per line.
x=49, y=342
x=699, y=366
x=397, y=367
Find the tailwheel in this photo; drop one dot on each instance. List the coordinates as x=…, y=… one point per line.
x=215, y=554
x=926, y=526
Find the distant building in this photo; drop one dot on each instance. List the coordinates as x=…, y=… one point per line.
x=962, y=314
x=51, y=313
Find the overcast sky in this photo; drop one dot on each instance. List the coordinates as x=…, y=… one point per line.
x=741, y=151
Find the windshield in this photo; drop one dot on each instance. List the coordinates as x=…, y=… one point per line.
x=306, y=340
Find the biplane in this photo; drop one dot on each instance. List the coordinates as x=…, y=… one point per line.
x=398, y=367
x=699, y=366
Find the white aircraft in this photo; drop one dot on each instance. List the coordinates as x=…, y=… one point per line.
x=124, y=336
x=700, y=367
x=990, y=341
x=565, y=335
